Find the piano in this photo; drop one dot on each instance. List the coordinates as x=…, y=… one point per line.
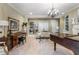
x=67, y=40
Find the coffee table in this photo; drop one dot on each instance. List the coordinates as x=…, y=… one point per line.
x=41, y=37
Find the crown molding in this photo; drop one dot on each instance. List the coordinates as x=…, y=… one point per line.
x=18, y=11
x=75, y=7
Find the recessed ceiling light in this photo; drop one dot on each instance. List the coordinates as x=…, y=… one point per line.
x=30, y=13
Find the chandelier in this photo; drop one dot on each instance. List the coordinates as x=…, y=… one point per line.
x=53, y=12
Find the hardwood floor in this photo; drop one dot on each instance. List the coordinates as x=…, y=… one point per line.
x=34, y=47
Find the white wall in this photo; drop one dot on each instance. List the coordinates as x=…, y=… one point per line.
x=54, y=25
x=75, y=29
x=7, y=11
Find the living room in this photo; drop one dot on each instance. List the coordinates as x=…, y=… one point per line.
x=30, y=28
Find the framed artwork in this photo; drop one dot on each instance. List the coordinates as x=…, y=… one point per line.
x=13, y=24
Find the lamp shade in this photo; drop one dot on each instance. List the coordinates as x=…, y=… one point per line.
x=3, y=23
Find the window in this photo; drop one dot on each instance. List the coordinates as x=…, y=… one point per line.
x=43, y=26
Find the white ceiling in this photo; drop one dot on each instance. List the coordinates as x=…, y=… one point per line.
x=41, y=9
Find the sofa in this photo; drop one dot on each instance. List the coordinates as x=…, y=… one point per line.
x=44, y=34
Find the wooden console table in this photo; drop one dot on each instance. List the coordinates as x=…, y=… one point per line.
x=66, y=40
x=16, y=37
x=12, y=40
